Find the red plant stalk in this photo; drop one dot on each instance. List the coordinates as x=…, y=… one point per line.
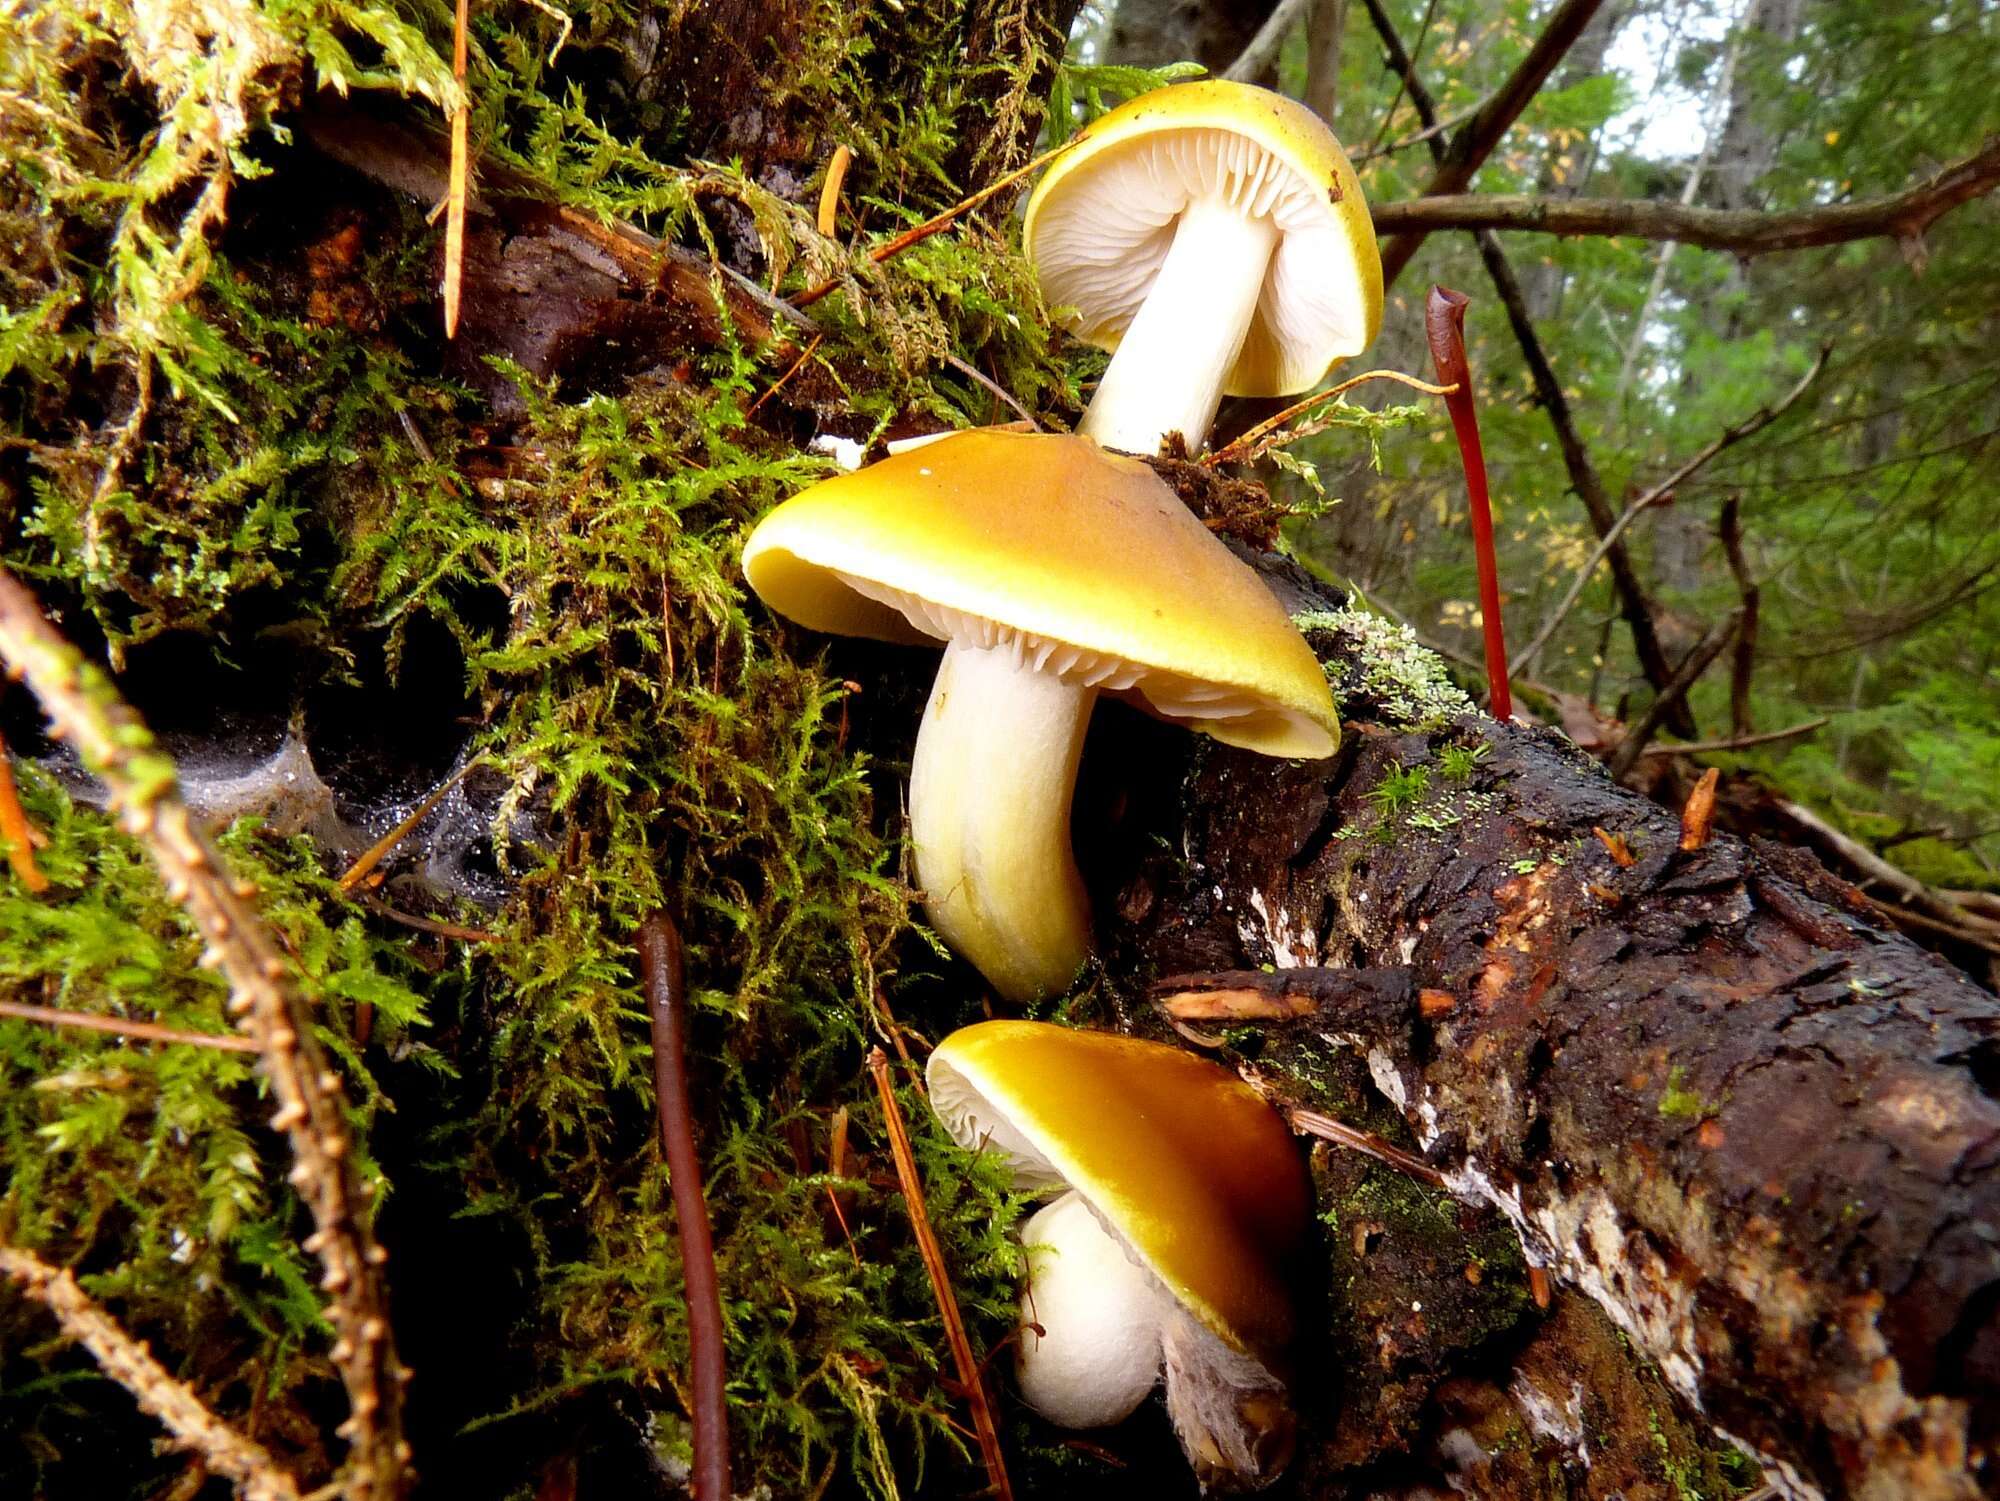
x=1444, y=322
x=663, y=970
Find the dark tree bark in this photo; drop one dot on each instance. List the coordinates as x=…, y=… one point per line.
x=1760, y=1133
x=1151, y=33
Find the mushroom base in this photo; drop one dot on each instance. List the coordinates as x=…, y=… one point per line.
x=990, y=786
x=1232, y=1416
x=1097, y=1354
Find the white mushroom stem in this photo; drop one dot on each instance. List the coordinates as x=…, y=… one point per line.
x=1100, y=1313
x=990, y=788
x=1168, y=373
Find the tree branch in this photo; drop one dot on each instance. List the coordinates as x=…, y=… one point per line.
x=1762, y=418
x=1904, y=217
x=83, y=707
x=1706, y=651
x=126, y=1361
x=1729, y=528
x=1471, y=146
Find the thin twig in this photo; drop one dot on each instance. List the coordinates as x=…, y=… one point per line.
x=1741, y=742
x=1246, y=447
x=973, y=373
x=86, y=1021
x=17, y=830
x=927, y=1246
x=1428, y=133
x=1626, y=756
x=790, y=370
x=429, y=924
x=1756, y=422
x=141, y=786
x=663, y=971
x=918, y=232
x=461, y=153
x=125, y=1360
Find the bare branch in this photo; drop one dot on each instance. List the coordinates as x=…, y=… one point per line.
x=1261, y=52
x=1738, y=742
x=1471, y=146
x=1584, y=478
x=1904, y=216
x=1706, y=651
x=1762, y=418
x=84, y=707
x=126, y=1361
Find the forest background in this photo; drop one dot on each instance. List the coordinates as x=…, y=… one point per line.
x=342, y=566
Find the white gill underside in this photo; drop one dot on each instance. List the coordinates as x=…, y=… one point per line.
x=1102, y=257
x=1170, y=695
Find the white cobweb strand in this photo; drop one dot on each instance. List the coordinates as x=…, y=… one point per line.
x=1174, y=359
x=990, y=786
x=1099, y=1354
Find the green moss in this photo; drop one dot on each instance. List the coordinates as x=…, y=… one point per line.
x=1680, y=1103
x=682, y=749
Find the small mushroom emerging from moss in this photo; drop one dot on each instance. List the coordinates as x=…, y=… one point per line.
x=1053, y=572
x=1172, y=1247
x=1214, y=236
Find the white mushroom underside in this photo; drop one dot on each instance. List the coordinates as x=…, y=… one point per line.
x=1170, y=695
x=1101, y=257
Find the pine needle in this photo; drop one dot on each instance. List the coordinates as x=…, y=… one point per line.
x=954, y=1323
x=454, y=222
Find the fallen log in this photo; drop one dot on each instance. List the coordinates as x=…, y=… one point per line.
x=1703, y=1085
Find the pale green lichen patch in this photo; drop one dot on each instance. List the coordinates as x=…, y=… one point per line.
x=1378, y=664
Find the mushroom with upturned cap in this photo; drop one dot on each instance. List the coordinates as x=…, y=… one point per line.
x=1174, y=1243
x=1214, y=237
x=1053, y=572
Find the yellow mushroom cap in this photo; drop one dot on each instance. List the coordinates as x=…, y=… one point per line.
x=1180, y=1158
x=1084, y=561
x=1102, y=218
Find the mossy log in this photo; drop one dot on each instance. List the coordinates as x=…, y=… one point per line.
x=1700, y=1083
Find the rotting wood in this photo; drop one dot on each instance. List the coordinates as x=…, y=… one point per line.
x=1758, y=1131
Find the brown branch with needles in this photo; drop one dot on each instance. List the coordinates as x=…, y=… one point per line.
x=954, y=1322
x=663, y=972
x=241, y=1460
x=84, y=708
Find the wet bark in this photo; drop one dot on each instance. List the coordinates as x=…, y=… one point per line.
x=1761, y=1134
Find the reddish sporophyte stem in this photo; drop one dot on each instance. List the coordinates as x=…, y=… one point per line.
x=663, y=970
x=1444, y=322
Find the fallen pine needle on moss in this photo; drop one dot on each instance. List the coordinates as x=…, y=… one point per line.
x=954, y=1322
x=52, y=1016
